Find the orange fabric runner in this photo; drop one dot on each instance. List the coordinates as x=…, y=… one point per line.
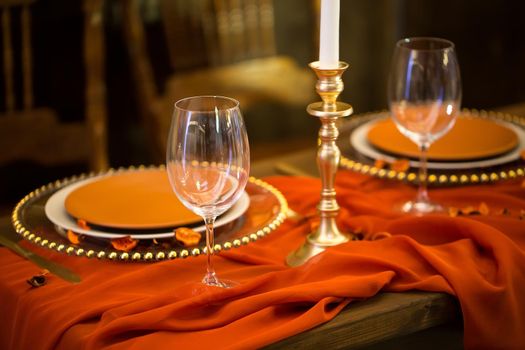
x=478, y=258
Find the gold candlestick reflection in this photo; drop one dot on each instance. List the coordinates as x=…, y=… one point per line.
x=329, y=86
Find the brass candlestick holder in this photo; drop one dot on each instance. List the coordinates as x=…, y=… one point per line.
x=329, y=86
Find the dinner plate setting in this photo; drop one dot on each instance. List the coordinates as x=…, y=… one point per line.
x=136, y=225
x=97, y=210
x=482, y=147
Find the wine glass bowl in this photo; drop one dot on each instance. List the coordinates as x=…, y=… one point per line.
x=208, y=161
x=424, y=95
x=423, y=123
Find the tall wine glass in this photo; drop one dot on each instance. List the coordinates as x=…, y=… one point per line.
x=424, y=94
x=208, y=161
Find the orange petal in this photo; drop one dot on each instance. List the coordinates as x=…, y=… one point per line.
x=83, y=224
x=380, y=163
x=73, y=237
x=522, y=154
x=187, y=236
x=453, y=212
x=503, y=211
x=358, y=230
x=314, y=224
x=400, y=165
x=468, y=210
x=483, y=208
x=125, y=243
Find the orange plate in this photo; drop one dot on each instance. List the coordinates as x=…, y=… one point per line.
x=132, y=200
x=470, y=138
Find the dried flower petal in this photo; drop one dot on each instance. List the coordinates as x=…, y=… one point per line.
x=380, y=163
x=38, y=280
x=503, y=211
x=522, y=214
x=83, y=224
x=453, y=212
x=125, y=243
x=400, y=165
x=73, y=237
x=484, y=208
x=470, y=210
x=187, y=236
x=314, y=224
x=522, y=154
x=358, y=233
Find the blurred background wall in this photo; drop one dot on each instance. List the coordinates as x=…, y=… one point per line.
x=489, y=38
x=488, y=34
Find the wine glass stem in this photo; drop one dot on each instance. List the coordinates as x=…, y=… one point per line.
x=422, y=194
x=211, y=277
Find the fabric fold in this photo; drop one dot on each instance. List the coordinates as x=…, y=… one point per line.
x=479, y=259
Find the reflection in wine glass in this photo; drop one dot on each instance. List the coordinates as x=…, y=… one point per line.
x=424, y=94
x=208, y=161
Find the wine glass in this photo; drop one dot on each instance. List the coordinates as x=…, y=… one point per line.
x=208, y=161
x=424, y=94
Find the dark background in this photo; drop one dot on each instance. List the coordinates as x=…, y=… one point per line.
x=489, y=37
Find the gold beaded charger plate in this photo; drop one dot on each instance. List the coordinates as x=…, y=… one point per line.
x=360, y=156
x=266, y=211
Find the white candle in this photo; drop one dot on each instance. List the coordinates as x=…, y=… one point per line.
x=329, y=34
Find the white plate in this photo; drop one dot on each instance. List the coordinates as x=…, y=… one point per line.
x=56, y=212
x=358, y=140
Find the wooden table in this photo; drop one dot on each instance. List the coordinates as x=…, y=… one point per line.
x=388, y=320
x=410, y=320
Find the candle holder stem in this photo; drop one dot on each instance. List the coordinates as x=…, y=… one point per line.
x=329, y=86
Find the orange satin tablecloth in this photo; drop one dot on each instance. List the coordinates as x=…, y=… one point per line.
x=479, y=258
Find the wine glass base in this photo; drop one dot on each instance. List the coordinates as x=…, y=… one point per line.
x=421, y=208
x=213, y=281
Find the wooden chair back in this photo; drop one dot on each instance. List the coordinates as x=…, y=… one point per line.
x=217, y=32
x=35, y=133
x=220, y=47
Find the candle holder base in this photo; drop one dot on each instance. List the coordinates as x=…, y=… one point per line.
x=311, y=248
x=329, y=85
